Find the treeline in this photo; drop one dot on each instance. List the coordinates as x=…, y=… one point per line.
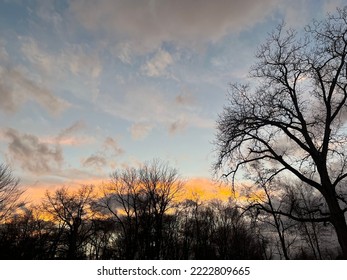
x=141, y=213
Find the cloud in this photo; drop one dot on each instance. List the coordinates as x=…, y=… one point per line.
x=77, y=59
x=70, y=136
x=46, y=11
x=16, y=88
x=112, y=145
x=3, y=52
x=19, y=85
x=177, y=126
x=104, y=157
x=74, y=66
x=141, y=104
x=146, y=107
x=156, y=66
x=185, y=98
x=297, y=13
x=66, y=135
x=147, y=24
x=330, y=6
x=97, y=161
x=31, y=154
x=140, y=130
x=77, y=126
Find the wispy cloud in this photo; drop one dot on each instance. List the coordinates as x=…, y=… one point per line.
x=140, y=130
x=147, y=107
x=185, y=99
x=73, y=66
x=177, y=126
x=106, y=156
x=18, y=85
x=67, y=135
x=16, y=88
x=77, y=59
x=94, y=160
x=112, y=147
x=157, y=66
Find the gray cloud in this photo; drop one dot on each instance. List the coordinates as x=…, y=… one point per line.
x=105, y=156
x=97, y=161
x=182, y=21
x=16, y=88
x=177, y=126
x=65, y=133
x=112, y=145
x=32, y=154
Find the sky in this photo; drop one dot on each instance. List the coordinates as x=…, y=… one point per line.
x=88, y=87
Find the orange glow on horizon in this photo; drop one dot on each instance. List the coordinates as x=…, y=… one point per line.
x=35, y=194
x=202, y=189
x=205, y=189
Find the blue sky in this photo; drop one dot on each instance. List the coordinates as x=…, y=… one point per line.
x=90, y=86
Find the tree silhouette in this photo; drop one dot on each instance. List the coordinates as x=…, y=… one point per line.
x=293, y=123
x=269, y=197
x=139, y=200
x=10, y=192
x=124, y=223
x=71, y=213
x=27, y=236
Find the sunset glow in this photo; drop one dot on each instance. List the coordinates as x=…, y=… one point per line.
x=200, y=189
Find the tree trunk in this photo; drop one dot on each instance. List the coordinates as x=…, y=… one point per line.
x=338, y=221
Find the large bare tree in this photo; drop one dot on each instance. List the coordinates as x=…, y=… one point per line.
x=292, y=121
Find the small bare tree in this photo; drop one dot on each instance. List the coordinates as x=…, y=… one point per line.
x=10, y=192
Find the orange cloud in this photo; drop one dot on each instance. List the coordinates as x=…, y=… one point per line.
x=68, y=140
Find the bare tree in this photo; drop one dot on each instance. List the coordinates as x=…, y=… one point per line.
x=10, y=192
x=266, y=207
x=71, y=213
x=121, y=201
x=139, y=199
x=161, y=185
x=294, y=120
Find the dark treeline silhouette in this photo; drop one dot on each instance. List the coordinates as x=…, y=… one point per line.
x=137, y=215
x=141, y=213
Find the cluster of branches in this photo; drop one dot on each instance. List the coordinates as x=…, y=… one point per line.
x=10, y=193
